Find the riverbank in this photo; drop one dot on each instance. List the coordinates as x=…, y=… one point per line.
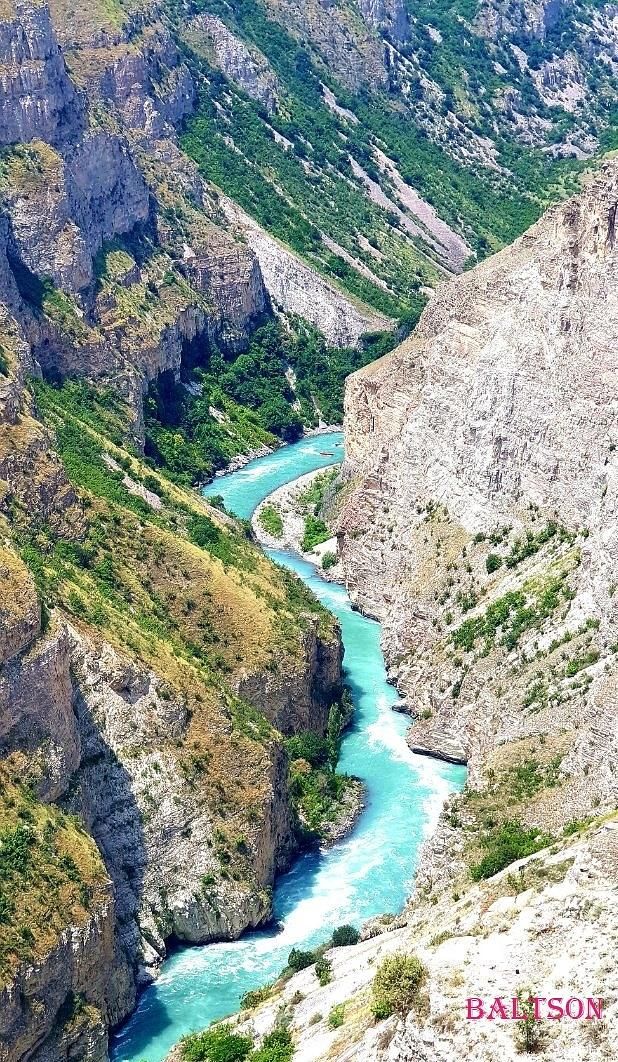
x=242, y=460
x=287, y=503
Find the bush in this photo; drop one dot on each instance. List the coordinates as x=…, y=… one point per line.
x=493, y=562
x=271, y=521
x=397, y=984
x=300, y=960
x=506, y=844
x=276, y=1047
x=216, y=1045
x=344, y=936
x=336, y=1016
x=316, y=531
x=324, y=971
x=329, y=560
x=527, y=1033
x=310, y=747
x=255, y=996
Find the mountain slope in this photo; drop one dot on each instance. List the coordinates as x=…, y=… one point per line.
x=479, y=527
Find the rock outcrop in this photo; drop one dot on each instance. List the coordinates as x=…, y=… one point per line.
x=296, y=288
x=38, y=100
x=387, y=16
x=248, y=68
x=535, y=930
x=478, y=524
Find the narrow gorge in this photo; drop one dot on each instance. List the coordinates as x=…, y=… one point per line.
x=225, y=229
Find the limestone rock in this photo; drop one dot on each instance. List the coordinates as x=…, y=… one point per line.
x=387, y=16
x=296, y=288
x=37, y=97
x=248, y=68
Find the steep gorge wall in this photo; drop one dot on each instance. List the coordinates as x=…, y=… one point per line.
x=481, y=463
x=189, y=810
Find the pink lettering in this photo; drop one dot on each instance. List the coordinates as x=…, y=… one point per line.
x=595, y=1008
x=475, y=1009
x=555, y=1008
x=498, y=1010
x=574, y=1007
x=536, y=1002
x=516, y=1012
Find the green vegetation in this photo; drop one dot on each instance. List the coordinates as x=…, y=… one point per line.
x=345, y=935
x=505, y=843
x=510, y=616
x=300, y=960
x=316, y=788
x=50, y=871
x=277, y=1046
x=308, y=746
x=579, y=663
x=336, y=1016
x=530, y=776
x=532, y=543
x=329, y=560
x=493, y=562
x=270, y=519
x=222, y=1044
x=216, y=1045
x=316, y=532
x=311, y=499
x=255, y=996
x=243, y=155
x=528, y=1033
x=127, y=574
x=323, y=970
x=228, y=404
x=271, y=183
x=397, y=985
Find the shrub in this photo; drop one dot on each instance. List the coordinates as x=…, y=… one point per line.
x=316, y=531
x=310, y=747
x=300, y=960
x=493, y=562
x=336, y=1016
x=276, y=1047
x=397, y=984
x=271, y=521
x=329, y=560
x=344, y=936
x=324, y=971
x=578, y=663
x=216, y=1045
x=505, y=844
x=255, y=996
x=528, y=1032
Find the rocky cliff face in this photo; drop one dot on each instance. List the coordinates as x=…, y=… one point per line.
x=130, y=266
x=181, y=783
x=480, y=522
x=387, y=16
x=537, y=928
x=248, y=68
x=37, y=98
x=138, y=765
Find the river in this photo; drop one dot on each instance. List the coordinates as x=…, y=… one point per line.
x=370, y=872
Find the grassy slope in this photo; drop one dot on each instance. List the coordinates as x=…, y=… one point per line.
x=51, y=873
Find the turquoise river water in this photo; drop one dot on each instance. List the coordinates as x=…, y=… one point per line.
x=370, y=872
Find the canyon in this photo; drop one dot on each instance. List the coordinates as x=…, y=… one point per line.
x=476, y=521
x=185, y=186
